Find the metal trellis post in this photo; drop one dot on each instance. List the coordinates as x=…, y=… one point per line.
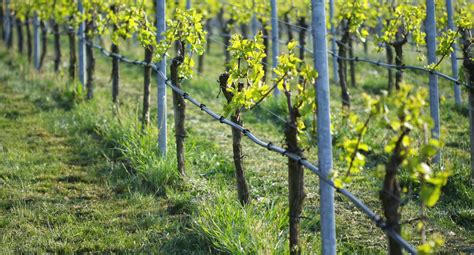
x=254, y=21
x=275, y=38
x=320, y=57
x=430, y=24
x=135, y=36
x=454, y=61
x=333, y=40
x=6, y=23
x=162, y=133
x=82, y=48
x=379, y=222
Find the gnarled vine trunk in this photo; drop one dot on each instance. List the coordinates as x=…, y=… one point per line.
x=9, y=32
x=303, y=26
x=286, y=18
x=302, y=39
x=389, y=51
x=390, y=194
x=226, y=35
x=266, y=44
x=210, y=32
x=242, y=187
x=366, y=47
x=179, y=109
x=72, y=54
x=115, y=74
x=352, y=63
x=295, y=186
x=2, y=18
x=245, y=30
x=57, y=46
x=200, y=67
x=468, y=64
x=295, y=180
x=44, y=42
x=29, y=43
x=398, y=46
x=342, y=52
x=90, y=61
x=19, y=30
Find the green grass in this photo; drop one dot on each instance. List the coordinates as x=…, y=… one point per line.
x=76, y=177
x=61, y=193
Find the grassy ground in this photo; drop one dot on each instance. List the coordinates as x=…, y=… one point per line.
x=59, y=193
x=76, y=177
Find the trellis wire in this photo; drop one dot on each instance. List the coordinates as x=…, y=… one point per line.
x=380, y=63
x=226, y=45
x=294, y=27
x=379, y=222
x=419, y=68
x=383, y=64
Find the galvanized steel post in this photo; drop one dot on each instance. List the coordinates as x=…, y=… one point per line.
x=82, y=48
x=320, y=57
x=333, y=41
x=430, y=25
x=454, y=61
x=162, y=132
x=275, y=38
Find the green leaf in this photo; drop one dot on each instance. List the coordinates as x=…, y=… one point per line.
x=292, y=45
x=430, y=194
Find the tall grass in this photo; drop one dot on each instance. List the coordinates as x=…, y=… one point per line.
x=236, y=229
x=138, y=150
x=124, y=141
